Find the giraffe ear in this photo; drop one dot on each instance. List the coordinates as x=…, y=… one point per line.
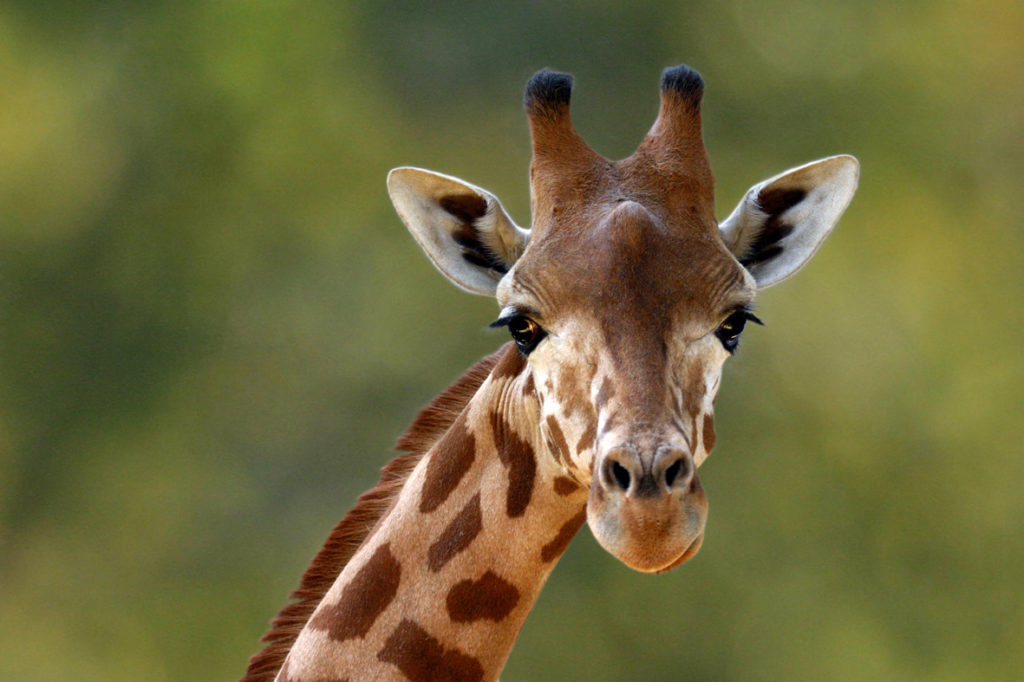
x=463, y=229
x=782, y=221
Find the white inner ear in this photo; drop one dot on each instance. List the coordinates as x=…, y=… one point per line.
x=827, y=187
x=472, y=242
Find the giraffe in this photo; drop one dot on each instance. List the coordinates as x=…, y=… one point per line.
x=623, y=300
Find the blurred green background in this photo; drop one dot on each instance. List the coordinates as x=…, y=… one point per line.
x=213, y=326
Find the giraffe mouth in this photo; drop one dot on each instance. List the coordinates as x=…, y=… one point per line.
x=649, y=533
x=690, y=552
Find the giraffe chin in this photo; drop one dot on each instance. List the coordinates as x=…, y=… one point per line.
x=650, y=536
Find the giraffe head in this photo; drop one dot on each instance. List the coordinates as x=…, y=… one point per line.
x=626, y=296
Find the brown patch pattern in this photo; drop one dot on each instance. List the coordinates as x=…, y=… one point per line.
x=565, y=485
x=421, y=658
x=694, y=390
x=571, y=400
x=587, y=439
x=561, y=446
x=462, y=530
x=363, y=599
x=490, y=598
x=449, y=461
x=709, y=432
x=518, y=457
x=566, y=533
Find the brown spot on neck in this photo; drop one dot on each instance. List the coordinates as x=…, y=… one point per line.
x=489, y=598
x=448, y=462
x=558, y=544
x=363, y=599
x=422, y=658
x=459, y=534
x=518, y=457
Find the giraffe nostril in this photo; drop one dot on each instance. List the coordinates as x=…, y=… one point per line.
x=621, y=475
x=672, y=473
x=676, y=467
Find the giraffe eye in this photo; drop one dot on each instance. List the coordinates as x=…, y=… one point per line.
x=526, y=333
x=729, y=331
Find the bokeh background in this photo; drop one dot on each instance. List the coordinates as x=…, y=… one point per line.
x=213, y=326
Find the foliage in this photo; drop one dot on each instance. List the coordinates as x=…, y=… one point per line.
x=212, y=325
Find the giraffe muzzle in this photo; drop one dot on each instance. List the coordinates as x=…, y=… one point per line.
x=647, y=507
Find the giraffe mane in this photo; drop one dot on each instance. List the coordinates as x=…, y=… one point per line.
x=373, y=505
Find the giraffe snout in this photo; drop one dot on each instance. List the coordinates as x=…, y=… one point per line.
x=646, y=505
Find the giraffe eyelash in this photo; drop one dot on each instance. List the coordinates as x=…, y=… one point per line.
x=748, y=313
x=525, y=331
x=729, y=330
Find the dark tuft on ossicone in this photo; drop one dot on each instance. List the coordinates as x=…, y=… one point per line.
x=684, y=81
x=547, y=91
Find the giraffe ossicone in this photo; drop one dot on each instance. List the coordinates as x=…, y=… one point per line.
x=623, y=300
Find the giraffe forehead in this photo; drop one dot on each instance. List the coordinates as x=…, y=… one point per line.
x=680, y=193
x=630, y=268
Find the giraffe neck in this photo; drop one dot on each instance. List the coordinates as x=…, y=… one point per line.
x=441, y=586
